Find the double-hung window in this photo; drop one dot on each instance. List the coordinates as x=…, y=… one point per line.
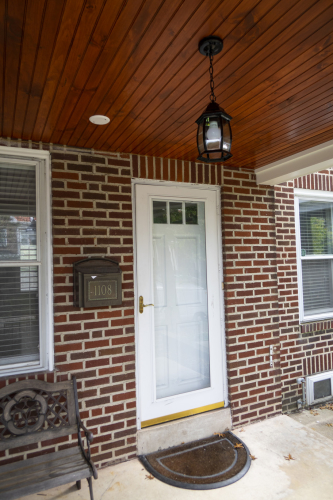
x=314, y=236
x=26, y=318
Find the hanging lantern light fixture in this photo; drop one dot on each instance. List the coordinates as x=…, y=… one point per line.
x=214, y=130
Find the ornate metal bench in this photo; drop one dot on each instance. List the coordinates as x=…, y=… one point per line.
x=33, y=411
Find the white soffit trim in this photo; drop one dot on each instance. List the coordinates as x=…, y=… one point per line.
x=303, y=163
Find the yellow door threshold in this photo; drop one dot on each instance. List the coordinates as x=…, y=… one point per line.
x=182, y=414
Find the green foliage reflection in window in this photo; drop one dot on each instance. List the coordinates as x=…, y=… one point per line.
x=319, y=235
x=160, y=212
x=176, y=212
x=316, y=228
x=191, y=211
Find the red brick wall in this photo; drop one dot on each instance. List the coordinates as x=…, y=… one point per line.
x=251, y=296
x=251, y=301
x=92, y=215
x=305, y=349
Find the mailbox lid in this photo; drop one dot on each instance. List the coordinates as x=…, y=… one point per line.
x=97, y=265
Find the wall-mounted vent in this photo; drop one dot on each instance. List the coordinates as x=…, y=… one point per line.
x=319, y=388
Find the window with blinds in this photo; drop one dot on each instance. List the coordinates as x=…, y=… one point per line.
x=19, y=305
x=315, y=256
x=25, y=308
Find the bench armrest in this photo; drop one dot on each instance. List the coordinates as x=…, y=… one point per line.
x=89, y=435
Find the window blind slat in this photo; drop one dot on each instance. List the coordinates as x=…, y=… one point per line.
x=317, y=286
x=19, y=310
x=17, y=212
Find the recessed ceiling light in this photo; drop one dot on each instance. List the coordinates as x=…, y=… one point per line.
x=99, y=120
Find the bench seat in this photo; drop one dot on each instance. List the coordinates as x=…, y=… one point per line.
x=41, y=473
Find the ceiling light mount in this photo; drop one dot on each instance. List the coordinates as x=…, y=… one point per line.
x=99, y=120
x=214, y=131
x=210, y=45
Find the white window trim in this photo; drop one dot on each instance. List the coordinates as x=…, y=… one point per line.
x=308, y=194
x=41, y=159
x=310, y=380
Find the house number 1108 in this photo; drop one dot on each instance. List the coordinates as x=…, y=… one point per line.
x=100, y=290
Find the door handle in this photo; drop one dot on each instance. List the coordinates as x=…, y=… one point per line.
x=142, y=305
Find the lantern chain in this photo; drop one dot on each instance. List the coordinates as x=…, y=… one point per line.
x=211, y=74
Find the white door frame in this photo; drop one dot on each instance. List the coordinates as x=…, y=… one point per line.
x=220, y=265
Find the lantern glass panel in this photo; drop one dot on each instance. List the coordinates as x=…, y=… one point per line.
x=201, y=146
x=213, y=133
x=226, y=135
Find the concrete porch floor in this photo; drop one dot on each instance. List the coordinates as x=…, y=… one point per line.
x=306, y=436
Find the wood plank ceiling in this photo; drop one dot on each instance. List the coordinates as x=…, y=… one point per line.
x=137, y=62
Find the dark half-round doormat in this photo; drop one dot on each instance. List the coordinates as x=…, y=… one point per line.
x=201, y=465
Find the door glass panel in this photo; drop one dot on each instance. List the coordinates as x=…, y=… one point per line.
x=180, y=297
x=160, y=212
x=176, y=213
x=191, y=213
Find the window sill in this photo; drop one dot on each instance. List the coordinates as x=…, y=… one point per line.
x=22, y=371
x=316, y=326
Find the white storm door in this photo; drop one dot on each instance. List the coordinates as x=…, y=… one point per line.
x=180, y=338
